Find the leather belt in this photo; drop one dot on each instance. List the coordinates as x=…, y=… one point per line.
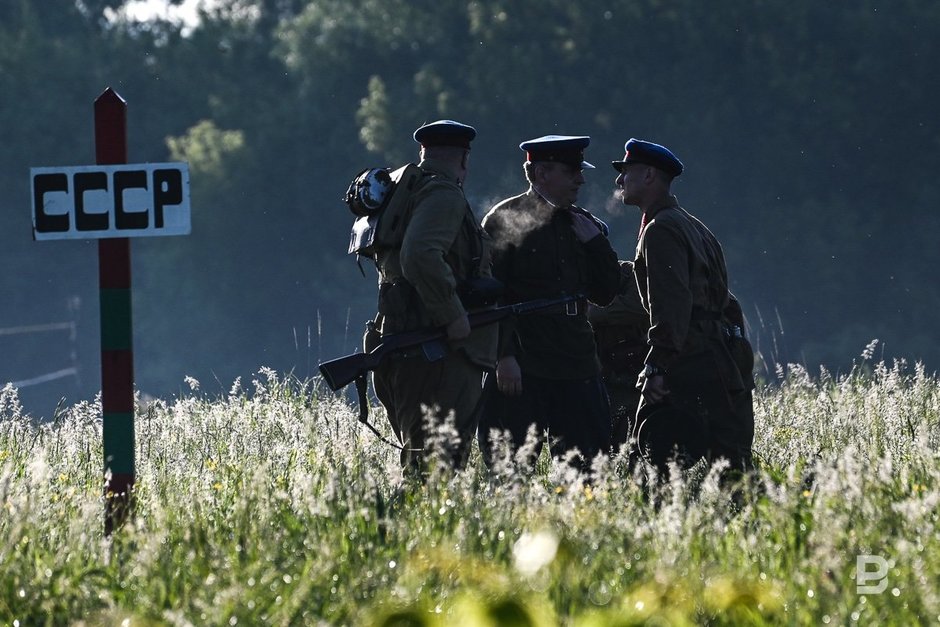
x=574, y=308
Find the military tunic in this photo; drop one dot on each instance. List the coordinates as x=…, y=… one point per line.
x=683, y=284
x=418, y=288
x=537, y=255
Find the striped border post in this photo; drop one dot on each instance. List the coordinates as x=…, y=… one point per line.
x=117, y=354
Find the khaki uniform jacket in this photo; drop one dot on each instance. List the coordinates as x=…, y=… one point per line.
x=442, y=247
x=683, y=283
x=536, y=255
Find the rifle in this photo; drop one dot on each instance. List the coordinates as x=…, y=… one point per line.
x=340, y=372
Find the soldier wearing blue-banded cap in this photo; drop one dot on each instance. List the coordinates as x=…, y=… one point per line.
x=697, y=359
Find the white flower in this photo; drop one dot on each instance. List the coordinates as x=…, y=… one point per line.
x=532, y=551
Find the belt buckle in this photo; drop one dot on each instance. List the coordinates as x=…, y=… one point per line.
x=571, y=309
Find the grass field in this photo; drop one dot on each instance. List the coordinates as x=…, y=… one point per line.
x=271, y=505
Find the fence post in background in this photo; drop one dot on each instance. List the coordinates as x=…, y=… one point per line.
x=117, y=355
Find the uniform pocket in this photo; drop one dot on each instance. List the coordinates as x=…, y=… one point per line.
x=401, y=308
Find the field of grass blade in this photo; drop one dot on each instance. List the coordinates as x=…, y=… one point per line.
x=271, y=505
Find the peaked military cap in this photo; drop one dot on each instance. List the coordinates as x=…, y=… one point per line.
x=568, y=149
x=639, y=151
x=445, y=133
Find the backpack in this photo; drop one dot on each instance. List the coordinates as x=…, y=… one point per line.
x=381, y=199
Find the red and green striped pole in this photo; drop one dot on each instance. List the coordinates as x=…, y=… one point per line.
x=117, y=354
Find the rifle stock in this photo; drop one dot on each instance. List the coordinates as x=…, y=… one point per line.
x=340, y=372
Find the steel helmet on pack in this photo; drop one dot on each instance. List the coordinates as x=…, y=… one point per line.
x=369, y=191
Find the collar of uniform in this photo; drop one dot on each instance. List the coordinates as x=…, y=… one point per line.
x=671, y=203
x=440, y=167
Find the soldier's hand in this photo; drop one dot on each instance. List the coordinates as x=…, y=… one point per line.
x=509, y=376
x=459, y=328
x=654, y=388
x=585, y=229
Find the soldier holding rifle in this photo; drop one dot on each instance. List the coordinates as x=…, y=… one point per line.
x=443, y=248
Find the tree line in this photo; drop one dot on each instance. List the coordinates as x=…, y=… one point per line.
x=808, y=131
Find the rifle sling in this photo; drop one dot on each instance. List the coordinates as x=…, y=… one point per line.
x=361, y=391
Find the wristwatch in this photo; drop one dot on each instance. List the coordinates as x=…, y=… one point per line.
x=653, y=371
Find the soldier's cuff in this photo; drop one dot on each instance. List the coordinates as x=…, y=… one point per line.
x=507, y=350
x=507, y=338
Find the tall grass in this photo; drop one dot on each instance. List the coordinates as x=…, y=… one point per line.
x=271, y=505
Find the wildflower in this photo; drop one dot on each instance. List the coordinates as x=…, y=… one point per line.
x=869, y=351
x=532, y=551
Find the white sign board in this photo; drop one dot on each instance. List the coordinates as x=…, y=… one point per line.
x=99, y=201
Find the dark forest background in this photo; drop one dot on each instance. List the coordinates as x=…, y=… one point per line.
x=809, y=131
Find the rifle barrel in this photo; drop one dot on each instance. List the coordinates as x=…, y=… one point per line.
x=340, y=372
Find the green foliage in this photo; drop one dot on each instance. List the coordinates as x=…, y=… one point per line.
x=205, y=148
x=269, y=504
x=807, y=130
x=373, y=116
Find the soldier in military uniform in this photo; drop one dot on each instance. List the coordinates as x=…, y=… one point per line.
x=696, y=330
x=443, y=248
x=620, y=333
x=545, y=246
